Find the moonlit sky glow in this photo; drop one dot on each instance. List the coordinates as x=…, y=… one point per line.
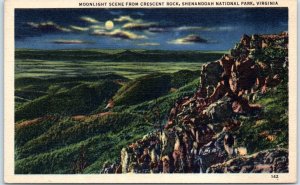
x=166, y=29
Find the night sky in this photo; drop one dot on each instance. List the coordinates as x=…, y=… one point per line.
x=166, y=29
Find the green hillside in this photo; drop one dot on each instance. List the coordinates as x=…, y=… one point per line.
x=81, y=99
x=152, y=86
x=62, y=143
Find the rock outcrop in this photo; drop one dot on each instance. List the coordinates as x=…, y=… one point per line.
x=268, y=161
x=198, y=136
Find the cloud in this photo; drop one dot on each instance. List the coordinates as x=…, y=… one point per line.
x=119, y=34
x=157, y=29
x=78, y=28
x=139, y=26
x=149, y=44
x=89, y=19
x=48, y=26
x=97, y=27
x=225, y=28
x=139, y=13
x=193, y=28
x=125, y=18
x=202, y=28
x=190, y=39
x=115, y=12
x=71, y=42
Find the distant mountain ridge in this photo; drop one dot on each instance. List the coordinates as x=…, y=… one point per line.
x=119, y=55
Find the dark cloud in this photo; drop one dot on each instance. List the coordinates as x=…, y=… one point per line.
x=48, y=26
x=71, y=42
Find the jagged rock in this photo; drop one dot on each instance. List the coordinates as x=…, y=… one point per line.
x=241, y=49
x=168, y=142
x=246, y=169
x=211, y=153
x=219, y=110
x=108, y=168
x=210, y=76
x=256, y=42
x=241, y=105
x=243, y=75
x=226, y=62
x=267, y=161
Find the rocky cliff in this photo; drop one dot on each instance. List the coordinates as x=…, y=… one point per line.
x=215, y=130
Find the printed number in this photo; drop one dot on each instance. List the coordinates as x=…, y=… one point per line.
x=274, y=176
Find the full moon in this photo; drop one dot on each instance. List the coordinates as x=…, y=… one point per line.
x=109, y=25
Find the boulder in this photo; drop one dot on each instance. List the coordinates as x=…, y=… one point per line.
x=210, y=74
x=210, y=154
x=243, y=75
x=219, y=110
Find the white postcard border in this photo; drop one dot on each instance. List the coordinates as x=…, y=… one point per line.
x=9, y=175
